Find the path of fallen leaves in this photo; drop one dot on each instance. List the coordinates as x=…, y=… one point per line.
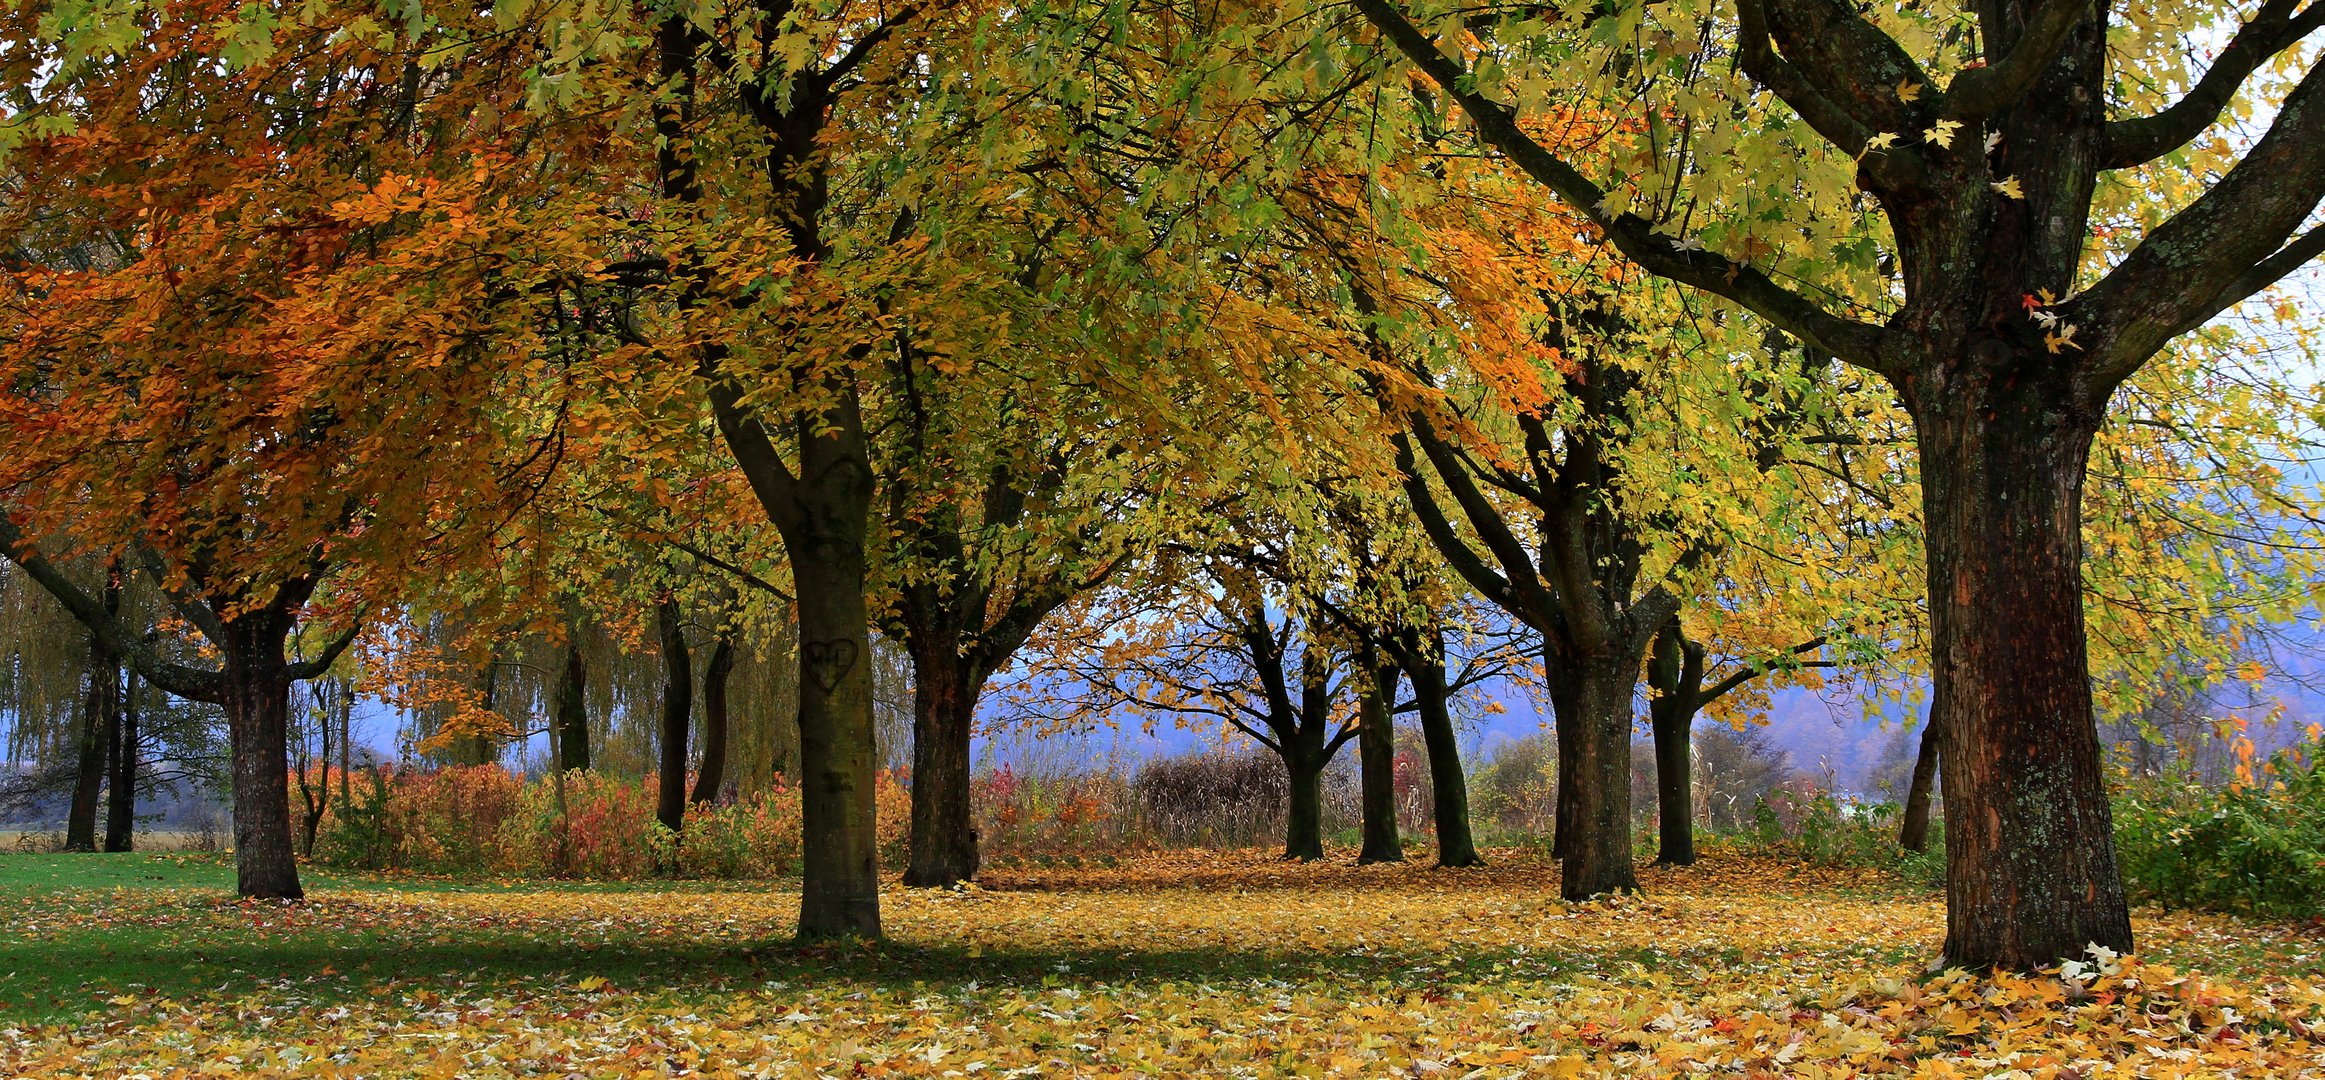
x=1220, y=964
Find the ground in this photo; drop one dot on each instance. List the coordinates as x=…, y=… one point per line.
x=1211, y=963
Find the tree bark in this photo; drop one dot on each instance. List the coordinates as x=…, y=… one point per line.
x=677, y=715
x=121, y=783
x=713, y=771
x=100, y=714
x=944, y=703
x=99, y=704
x=1448, y=786
x=571, y=707
x=1594, y=775
x=1304, y=816
x=1675, y=675
x=257, y=692
x=1913, y=831
x=1376, y=753
x=838, y=752
x=1674, y=791
x=2031, y=876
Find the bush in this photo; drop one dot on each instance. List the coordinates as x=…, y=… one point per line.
x=484, y=820
x=1517, y=791
x=2257, y=847
x=1214, y=799
x=1812, y=824
x=1053, y=815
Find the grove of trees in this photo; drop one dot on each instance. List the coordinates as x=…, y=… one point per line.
x=1280, y=369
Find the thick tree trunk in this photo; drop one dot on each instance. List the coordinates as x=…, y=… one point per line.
x=571, y=708
x=1448, y=786
x=2031, y=875
x=713, y=771
x=677, y=715
x=838, y=752
x=257, y=692
x=1304, y=816
x=99, y=707
x=121, y=781
x=944, y=703
x=1376, y=753
x=1913, y=832
x=1594, y=775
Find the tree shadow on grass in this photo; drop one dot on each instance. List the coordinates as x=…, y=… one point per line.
x=73, y=976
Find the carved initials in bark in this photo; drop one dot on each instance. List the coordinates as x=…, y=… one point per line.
x=827, y=662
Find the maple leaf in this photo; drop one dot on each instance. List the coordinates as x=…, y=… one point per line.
x=1942, y=132
x=2008, y=187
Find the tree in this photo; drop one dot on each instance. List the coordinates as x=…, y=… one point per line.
x=1988, y=157
x=218, y=197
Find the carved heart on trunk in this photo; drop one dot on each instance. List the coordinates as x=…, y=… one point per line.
x=827, y=662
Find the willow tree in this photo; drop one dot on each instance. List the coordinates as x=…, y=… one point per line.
x=2045, y=203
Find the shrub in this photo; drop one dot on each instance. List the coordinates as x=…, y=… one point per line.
x=1214, y=799
x=484, y=820
x=2257, y=847
x=1053, y=814
x=1517, y=790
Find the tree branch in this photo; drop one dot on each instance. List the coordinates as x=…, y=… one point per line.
x=1981, y=92
x=2273, y=29
x=1859, y=343
x=2232, y=237
x=192, y=684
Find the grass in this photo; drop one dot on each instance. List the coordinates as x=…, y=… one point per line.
x=142, y=962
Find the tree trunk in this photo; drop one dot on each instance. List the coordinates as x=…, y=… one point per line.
x=1448, y=786
x=677, y=715
x=1594, y=777
x=838, y=753
x=571, y=706
x=346, y=756
x=257, y=692
x=944, y=703
x=99, y=708
x=1376, y=753
x=1675, y=677
x=316, y=798
x=2030, y=858
x=1913, y=833
x=1304, y=817
x=1674, y=790
x=121, y=801
x=713, y=771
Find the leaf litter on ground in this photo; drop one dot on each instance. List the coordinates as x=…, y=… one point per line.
x=1202, y=963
